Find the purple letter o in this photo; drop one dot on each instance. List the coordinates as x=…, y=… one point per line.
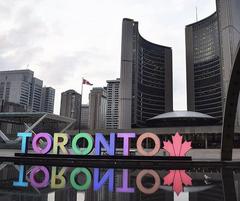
x=36, y=139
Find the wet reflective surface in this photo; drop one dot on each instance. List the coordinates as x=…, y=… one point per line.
x=44, y=183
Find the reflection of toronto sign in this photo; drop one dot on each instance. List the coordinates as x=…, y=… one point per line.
x=59, y=141
x=81, y=179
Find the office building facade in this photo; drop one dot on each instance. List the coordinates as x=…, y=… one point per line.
x=15, y=86
x=71, y=105
x=112, y=103
x=145, y=79
x=204, y=89
x=48, y=97
x=21, y=87
x=97, y=108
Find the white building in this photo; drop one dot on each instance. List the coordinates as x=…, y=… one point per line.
x=112, y=103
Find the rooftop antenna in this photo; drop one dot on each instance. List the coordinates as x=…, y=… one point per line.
x=196, y=14
x=28, y=66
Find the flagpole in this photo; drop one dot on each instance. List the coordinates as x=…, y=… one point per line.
x=80, y=110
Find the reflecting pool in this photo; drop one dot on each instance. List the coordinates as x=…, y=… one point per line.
x=49, y=183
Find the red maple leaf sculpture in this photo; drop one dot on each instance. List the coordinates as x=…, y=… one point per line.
x=177, y=178
x=176, y=147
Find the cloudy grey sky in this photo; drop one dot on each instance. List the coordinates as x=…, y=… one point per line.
x=64, y=40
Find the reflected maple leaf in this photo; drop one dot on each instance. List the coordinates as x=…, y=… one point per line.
x=176, y=147
x=177, y=178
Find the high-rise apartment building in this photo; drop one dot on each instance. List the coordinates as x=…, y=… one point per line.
x=112, y=103
x=36, y=94
x=210, y=49
x=48, y=96
x=21, y=87
x=97, y=108
x=70, y=106
x=84, y=116
x=145, y=80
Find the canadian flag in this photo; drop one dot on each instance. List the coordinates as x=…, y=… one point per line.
x=86, y=82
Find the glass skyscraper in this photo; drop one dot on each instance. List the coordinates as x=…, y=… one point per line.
x=210, y=50
x=204, y=90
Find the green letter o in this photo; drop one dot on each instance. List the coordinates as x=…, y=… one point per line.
x=82, y=151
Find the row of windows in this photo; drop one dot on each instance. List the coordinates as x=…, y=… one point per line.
x=208, y=97
x=207, y=69
x=207, y=101
x=148, y=62
x=207, y=75
x=156, y=69
x=209, y=110
x=150, y=95
x=207, y=82
x=208, y=87
x=147, y=84
x=155, y=95
x=210, y=105
x=150, y=52
x=159, y=77
x=153, y=107
x=145, y=80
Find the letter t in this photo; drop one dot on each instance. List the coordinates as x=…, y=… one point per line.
x=24, y=137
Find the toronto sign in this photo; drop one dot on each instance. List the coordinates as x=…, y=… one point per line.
x=43, y=143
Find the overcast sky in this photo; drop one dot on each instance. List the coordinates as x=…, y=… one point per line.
x=64, y=40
